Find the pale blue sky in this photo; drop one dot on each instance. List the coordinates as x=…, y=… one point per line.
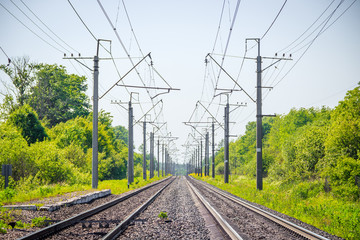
x=179, y=34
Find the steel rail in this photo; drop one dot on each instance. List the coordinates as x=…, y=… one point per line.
x=57, y=227
x=282, y=222
x=113, y=234
x=226, y=227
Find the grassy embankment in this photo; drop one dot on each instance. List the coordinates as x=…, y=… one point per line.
x=27, y=192
x=305, y=201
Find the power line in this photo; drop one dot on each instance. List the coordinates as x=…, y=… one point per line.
x=127, y=53
x=82, y=20
x=228, y=40
x=48, y=27
x=274, y=20
x=321, y=32
x=96, y=39
x=217, y=33
x=9, y=60
x=308, y=27
x=37, y=25
x=30, y=29
x=310, y=43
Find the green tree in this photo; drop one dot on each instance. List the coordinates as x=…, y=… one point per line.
x=342, y=145
x=14, y=150
x=58, y=96
x=50, y=165
x=26, y=120
x=344, y=134
x=121, y=133
x=22, y=74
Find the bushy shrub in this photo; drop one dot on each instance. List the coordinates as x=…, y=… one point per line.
x=14, y=150
x=27, y=121
x=138, y=171
x=50, y=164
x=305, y=190
x=219, y=169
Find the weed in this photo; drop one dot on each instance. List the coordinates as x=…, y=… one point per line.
x=40, y=221
x=163, y=215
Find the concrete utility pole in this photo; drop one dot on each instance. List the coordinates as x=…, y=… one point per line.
x=207, y=154
x=259, y=182
x=166, y=162
x=213, y=149
x=158, y=157
x=259, y=115
x=163, y=156
x=130, y=167
x=144, y=150
x=226, y=143
x=95, y=124
x=151, y=155
x=201, y=158
x=192, y=164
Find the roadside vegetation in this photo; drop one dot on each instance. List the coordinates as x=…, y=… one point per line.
x=310, y=156
x=310, y=162
x=46, y=134
x=306, y=201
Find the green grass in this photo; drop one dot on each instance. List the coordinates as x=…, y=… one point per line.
x=24, y=193
x=20, y=195
x=305, y=201
x=120, y=186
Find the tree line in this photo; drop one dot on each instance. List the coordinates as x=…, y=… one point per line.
x=305, y=145
x=46, y=127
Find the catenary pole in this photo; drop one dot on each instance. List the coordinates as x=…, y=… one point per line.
x=201, y=158
x=259, y=180
x=163, y=155
x=131, y=146
x=144, y=150
x=95, y=124
x=226, y=143
x=158, y=157
x=213, y=149
x=151, y=155
x=207, y=154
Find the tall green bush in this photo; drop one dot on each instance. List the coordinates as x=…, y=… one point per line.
x=27, y=122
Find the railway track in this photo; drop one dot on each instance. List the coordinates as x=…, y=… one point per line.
x=106, y=221
x=241, y=220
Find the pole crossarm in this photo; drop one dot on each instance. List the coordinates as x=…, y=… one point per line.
x=210, y=114
x=119, y=103
x=237, y=106
x=125, y=75
x=156, y=88
x=193, y=128
x=230, y=77
x=267, y=115
x=148, y=111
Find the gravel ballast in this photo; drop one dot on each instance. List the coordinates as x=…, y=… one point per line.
x=184, y=220
x=59, y=215
x=248, y=223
